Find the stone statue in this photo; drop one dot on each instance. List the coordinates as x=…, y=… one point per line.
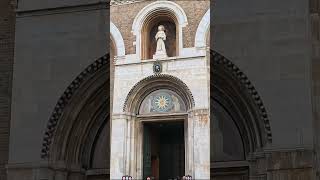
x=161, y=48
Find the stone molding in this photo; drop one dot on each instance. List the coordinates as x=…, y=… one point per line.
x=118, y=40
x=202, y=30
x=158, y=77
x=218, y=59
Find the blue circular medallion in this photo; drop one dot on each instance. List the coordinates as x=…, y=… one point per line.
x=162, y=102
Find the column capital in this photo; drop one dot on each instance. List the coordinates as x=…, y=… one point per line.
x=124, y=115
x=198, y=112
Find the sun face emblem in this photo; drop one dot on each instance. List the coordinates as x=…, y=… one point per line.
x=162, y=102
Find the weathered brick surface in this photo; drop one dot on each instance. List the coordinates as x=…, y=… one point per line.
x=7, y=19
x=195, y=10
x=123, y=16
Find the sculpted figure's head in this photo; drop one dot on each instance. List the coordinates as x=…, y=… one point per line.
x=161, y=28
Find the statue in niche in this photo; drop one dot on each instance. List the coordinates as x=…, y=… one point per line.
x=161, y=48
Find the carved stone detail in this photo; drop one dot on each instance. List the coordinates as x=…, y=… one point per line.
x=102, y=62
x=219, y=60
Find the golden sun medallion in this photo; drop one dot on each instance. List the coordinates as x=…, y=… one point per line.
x=162, y=102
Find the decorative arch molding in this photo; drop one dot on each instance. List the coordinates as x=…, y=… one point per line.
x=155, y=7
x=151, y=83
x=85, y=98
x=232, y=89
x=202, y=30
x=118, y=39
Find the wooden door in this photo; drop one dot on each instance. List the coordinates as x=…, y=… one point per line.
x=147, y=164
x=172, y=152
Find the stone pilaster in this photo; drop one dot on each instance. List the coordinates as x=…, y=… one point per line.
x=198, y=144
x=119, y=165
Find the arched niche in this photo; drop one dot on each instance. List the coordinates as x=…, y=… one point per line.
x=149, y=17
x=78, y=124
x=150, y=29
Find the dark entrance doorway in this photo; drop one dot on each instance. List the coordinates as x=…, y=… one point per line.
x=163, y=150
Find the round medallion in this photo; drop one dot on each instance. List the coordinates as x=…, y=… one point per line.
x=157, y=68
x=162, y=102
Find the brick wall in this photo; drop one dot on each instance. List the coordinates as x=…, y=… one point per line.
x=195, y=10
x=7, y=21
x=123, y=16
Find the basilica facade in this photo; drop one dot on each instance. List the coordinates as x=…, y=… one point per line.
x=160, y=114
x=224, y=90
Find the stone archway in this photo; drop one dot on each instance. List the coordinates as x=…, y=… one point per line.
x=240, y=107
x=153, y=82
x=128, y=129
x=78, y=127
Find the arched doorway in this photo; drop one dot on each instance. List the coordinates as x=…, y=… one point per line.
x=156, y=108
x=76, y=143
x=240, y=128
x=161, y=103
x=164, y=118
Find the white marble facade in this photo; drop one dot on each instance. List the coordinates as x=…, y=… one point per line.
x=190, y=67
